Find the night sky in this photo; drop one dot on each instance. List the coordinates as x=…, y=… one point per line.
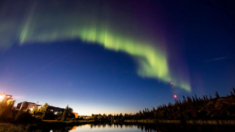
x=115, y=56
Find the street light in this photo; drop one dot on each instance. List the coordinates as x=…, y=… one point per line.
x=2, y=97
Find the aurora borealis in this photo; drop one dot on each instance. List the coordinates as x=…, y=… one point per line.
x=164, y=40
x=152, y=60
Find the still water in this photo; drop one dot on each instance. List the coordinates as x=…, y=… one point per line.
x=139, y=128
x=105, y=128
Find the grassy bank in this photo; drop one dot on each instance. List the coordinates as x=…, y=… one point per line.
x=69, y=122
x=45, y=125
x=9, y=127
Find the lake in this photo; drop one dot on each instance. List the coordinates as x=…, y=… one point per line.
x=139, y=128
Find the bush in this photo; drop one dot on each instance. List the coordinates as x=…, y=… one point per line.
x=7, y=127
x=6, y=111
x=59, y=118
x=24, y=117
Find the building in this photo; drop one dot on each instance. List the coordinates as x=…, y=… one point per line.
x=29, y=106
x=55, y=110
x=26, y=105
x=75, y=114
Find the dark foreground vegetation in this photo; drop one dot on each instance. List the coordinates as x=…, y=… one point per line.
x=191, y=108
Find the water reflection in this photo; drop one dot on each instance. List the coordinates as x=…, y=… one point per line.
x=106, y=128
x=153, y=128
x=138, y=128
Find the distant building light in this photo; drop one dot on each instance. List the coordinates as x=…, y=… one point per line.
x=2, y=96
x=175, y=96
x=5, y=97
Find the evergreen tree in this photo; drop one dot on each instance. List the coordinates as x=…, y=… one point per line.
x=65, y=114
x=204, y=97
x=216, y=94
x=210, y=97
x=184, y=100
x=196, y=98
x=193, y=99
x=179, y=102
x=231, y=93
x=189, y=99
x=153, y=109
x=43, y=108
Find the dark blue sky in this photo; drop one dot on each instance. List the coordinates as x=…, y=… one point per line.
x=200, y=41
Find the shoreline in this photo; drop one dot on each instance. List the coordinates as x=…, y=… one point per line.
x=191, y=122
x=147, y=121
x=143, y=121
x=69, y=125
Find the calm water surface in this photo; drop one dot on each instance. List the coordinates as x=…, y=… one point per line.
x=139, y=128
x=105, y=128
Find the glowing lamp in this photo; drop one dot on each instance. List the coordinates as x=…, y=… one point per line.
x=175, y=96
x=2, y=97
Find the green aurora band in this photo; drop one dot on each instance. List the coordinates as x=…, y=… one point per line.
x=152, y=62
x=38, y=26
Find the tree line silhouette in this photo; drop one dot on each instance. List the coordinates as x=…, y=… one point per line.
x=189, y=108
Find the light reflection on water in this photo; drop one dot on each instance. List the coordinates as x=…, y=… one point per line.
x=105, y=128
x=151, y=128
